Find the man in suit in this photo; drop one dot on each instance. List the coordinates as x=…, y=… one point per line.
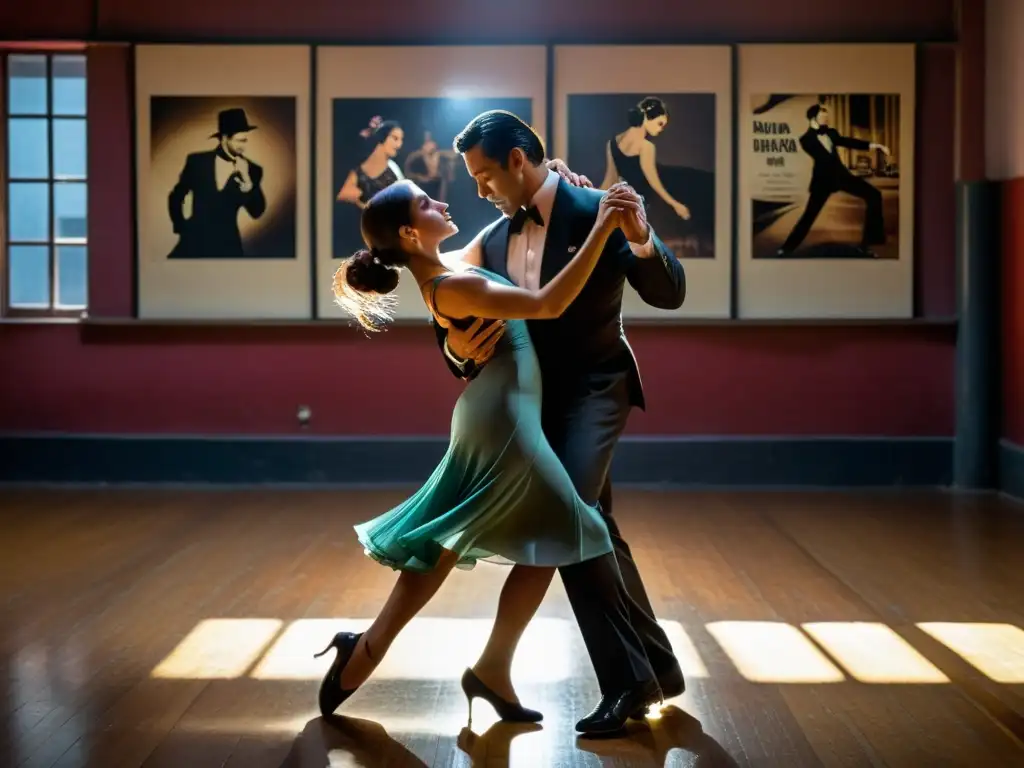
x=821, y=142
x=222, y=181
x=590, y=381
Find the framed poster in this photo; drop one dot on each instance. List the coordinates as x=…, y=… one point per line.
x=826, y=181
x=222, y=166
x=659, y=117
x=388, y=113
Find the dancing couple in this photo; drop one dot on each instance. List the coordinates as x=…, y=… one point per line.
x=525, y=479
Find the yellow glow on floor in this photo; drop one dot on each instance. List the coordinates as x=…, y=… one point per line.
x=427, y=649
x=291, y=656
x=873, y=653
x=995, y=650
x=552, y=651
x=773, y=652
x=684, y=649
x=219, y=649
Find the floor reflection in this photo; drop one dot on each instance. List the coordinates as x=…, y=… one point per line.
x=350, y=742
x=673, y=739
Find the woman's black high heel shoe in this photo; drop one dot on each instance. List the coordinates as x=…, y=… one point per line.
x=331, y=695
x=474, y=688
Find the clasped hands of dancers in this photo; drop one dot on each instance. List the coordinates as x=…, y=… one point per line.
x=551, y=380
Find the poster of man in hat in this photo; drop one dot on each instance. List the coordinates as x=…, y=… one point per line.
x=235, y=197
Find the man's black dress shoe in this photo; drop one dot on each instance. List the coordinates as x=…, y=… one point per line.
x=610, y=715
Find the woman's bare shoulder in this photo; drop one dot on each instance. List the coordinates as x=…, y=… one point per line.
x=455, y=262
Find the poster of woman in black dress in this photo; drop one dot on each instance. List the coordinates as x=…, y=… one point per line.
x=380, y=141
x=664, y=147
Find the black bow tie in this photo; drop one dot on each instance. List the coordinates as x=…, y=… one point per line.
x=821, y=129
x=519, y=220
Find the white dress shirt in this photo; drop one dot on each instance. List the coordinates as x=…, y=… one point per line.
x=223, y=170
x=526, y=248
x=824, y=138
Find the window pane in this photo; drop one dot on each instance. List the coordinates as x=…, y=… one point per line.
x=29, y=275
x=29, y=207
x=69, y=149
x=69, y=85
x=72, y=276
x=26, y=85
x=28, y=153
x=69, y=211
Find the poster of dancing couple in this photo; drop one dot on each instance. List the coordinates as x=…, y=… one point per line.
x=825, y=176
x=380, y=141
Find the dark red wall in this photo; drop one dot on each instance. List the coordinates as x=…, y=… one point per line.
x=749, y=379
x=706, y=381
x=1013, y=311
x=483, y=20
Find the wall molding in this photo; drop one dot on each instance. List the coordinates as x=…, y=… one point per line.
x=747, y=462
x=1011, y=469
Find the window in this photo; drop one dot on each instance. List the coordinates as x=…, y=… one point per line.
x=45, y=193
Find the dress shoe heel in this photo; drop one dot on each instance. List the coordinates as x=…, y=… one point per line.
x=331, y=695
x=474, y=688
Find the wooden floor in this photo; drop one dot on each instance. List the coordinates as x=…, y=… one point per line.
x=171, y=628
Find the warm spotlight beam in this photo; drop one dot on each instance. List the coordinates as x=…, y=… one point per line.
x=429, y=649
x=219, y=649
x=684, y=649
x=995, y=650
x=441, y=648
x=773, y=652
x=552, y=650
x=873, y=653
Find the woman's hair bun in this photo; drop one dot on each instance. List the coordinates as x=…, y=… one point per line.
x=367, y=272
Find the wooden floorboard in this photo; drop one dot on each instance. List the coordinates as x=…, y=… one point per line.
x=174, y=629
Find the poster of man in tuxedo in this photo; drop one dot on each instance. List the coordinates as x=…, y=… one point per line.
x=377, y=142
x=225, y=173
x=825, y=176
x=664, y=146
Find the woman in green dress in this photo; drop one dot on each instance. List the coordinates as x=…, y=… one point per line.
x=500, y=493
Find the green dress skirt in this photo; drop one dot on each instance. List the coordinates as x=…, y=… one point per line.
x=500, y=493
